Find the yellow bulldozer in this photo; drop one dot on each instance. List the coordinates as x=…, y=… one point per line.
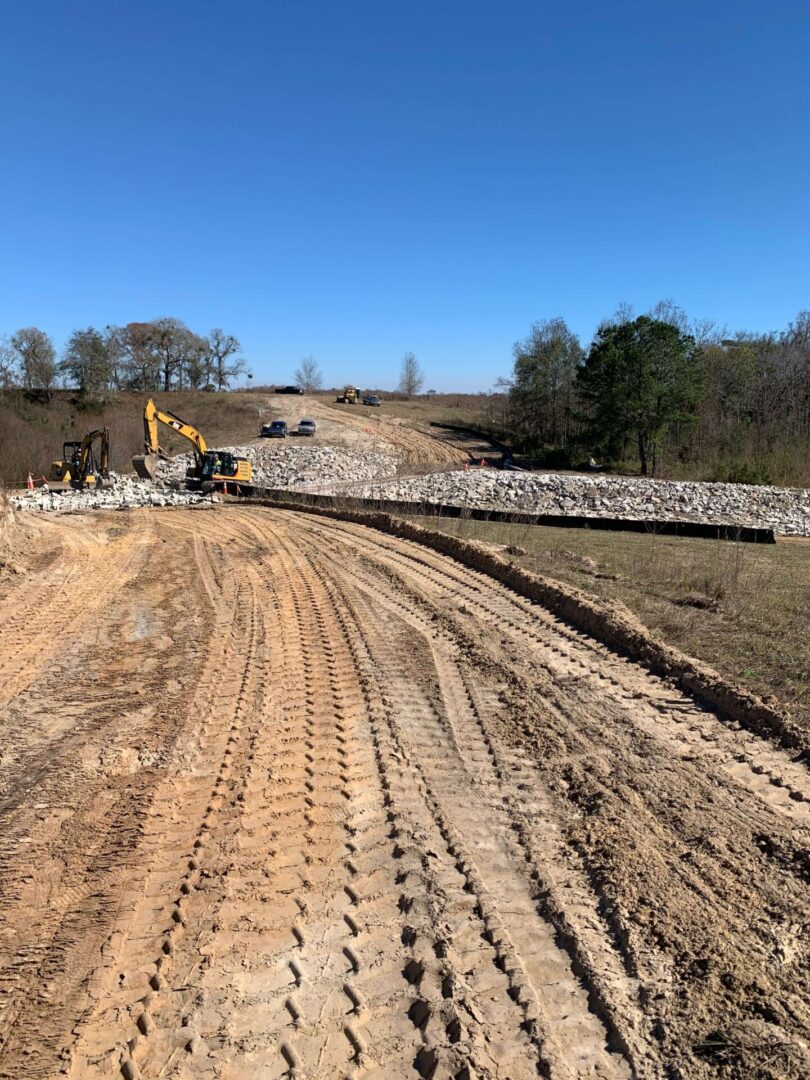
x=212, y=470
x=80, y=465
x=350, y=396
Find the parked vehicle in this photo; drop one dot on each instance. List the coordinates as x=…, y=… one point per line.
x=288, y=390
x=350, y=396
x=372, y=399
x=276, y=429
x=306, y=427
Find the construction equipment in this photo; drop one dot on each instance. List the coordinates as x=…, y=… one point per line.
x=350, y=396
x=80, y=465
x=212, y=469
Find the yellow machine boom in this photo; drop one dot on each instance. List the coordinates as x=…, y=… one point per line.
x=211, y=469
x=79, y=466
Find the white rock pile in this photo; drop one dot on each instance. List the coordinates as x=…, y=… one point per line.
x=122, y=493
x=786, y=510
x=277, y=464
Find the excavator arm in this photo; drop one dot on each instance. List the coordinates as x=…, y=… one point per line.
x=88, y=462
x=146, y=464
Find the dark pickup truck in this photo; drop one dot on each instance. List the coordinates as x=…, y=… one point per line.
x=288, y=390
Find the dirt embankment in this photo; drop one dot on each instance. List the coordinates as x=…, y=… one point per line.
x=361, y=427
x=284, y=796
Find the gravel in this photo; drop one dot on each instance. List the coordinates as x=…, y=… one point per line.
x=123, y=493
x=277, y=464
x=786, y=510
x=373, y=475
x=274, y=466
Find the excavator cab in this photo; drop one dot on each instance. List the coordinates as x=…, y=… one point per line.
x=79, y=466
x=219, y=467
x=219, y=463
x=211, y=469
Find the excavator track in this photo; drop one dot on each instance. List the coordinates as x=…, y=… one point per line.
x=304, y=800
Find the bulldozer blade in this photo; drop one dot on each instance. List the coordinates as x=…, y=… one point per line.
x=145, y=465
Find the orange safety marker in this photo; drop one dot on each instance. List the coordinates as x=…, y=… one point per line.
x=30, y=482
x=483, y=464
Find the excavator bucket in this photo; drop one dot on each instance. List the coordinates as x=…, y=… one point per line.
x=145, y=465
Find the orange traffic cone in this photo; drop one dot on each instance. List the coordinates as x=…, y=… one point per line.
x=30, y=482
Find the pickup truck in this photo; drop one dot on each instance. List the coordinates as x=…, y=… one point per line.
x=276, y=429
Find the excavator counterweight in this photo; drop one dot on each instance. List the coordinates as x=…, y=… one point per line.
x=212, y=469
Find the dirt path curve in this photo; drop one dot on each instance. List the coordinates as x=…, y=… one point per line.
x=283, y=797
x=360, y=427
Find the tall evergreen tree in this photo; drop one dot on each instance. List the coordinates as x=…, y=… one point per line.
x=640, y=377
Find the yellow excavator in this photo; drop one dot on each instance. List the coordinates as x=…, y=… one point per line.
x=212, y=469
x=80, y=465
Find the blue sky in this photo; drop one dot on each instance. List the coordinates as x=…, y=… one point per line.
x=358, y=179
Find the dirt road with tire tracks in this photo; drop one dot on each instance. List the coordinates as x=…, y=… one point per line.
x=284, y=797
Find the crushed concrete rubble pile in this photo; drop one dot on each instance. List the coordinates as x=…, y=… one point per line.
x=122, y=493
x=786, y=510
x=279, y=465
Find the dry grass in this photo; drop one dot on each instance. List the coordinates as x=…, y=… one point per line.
x=478, y=410
x=32, y=432
x=743, y=608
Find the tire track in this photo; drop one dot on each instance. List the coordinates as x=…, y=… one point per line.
x=567, y=655
x=306, y=801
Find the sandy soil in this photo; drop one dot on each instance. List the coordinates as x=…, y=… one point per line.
x=284, y=797
x=359, y=427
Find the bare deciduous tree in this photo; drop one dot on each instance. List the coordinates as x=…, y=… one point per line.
x=223, y=364
x=178, y=351
x=37, y=358
x=140, y=368
x=8, y=364
x=87, y=360
x=411, y=377
x=308, y=375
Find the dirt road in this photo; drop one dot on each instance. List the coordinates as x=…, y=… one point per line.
x=359, y=427
x=283, y=797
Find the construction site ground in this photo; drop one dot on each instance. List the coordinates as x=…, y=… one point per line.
x=362, y=426
x=282, y=796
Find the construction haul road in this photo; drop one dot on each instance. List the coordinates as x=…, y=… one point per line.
x=283, y=796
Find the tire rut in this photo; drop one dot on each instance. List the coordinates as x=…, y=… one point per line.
x=305, y=801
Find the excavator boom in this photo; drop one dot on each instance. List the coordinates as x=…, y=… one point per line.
x=80, y=466
x=145, y=465
x=212, y=469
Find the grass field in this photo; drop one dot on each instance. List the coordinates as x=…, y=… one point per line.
x=743, y=608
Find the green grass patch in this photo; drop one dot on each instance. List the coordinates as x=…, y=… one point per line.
x=742, y=608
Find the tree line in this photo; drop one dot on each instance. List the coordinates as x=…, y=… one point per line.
x=662, y=391
x=163, y=354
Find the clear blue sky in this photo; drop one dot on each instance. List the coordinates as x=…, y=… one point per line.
x=354, y=180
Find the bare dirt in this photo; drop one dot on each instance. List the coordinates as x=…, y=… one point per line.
x=281, y=796
x=363, y=427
